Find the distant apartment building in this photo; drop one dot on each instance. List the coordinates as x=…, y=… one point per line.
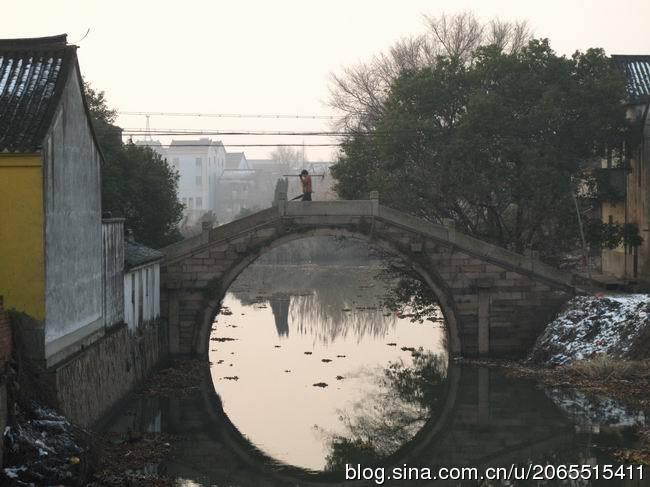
x=235, y=187
x=227, y=183
x=199, y=163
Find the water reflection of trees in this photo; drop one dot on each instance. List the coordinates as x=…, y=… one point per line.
x=407, y=396
x=410, y=294
x=330, y=303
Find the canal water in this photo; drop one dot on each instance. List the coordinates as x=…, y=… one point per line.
x=326, y=353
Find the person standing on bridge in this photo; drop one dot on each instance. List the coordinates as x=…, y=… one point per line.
x=305, y=179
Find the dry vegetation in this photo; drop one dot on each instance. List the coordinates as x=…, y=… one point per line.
x=627, y=380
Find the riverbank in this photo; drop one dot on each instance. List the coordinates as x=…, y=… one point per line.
x=613, y=383
x=131, y=456
x=627, y=380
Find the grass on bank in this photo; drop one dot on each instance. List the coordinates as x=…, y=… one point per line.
x=604, y=367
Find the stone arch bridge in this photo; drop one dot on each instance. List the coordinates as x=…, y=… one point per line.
x=495, y=302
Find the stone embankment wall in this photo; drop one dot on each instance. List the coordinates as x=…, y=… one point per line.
x=88, y=384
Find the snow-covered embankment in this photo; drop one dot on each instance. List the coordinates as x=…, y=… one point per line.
x=616, y=325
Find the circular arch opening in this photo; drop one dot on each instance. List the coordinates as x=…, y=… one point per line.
x=425, y=272
x=417, y=338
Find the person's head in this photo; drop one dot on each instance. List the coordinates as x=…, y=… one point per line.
x=304, y=172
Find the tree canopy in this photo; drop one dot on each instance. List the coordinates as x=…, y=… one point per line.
x=137, y=184
x=497, y=141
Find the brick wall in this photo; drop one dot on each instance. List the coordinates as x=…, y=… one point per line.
x=5, y=336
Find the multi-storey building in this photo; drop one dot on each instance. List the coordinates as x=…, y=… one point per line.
x=199, y=163
x=625, y=175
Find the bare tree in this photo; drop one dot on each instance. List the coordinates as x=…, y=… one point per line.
x=360, y=90
x=289, y=156
x=456, y=36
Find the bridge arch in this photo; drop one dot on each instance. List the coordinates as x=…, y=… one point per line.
x=429, y=276
x=495, y=302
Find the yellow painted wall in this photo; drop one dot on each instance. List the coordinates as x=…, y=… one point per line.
x=22, y=265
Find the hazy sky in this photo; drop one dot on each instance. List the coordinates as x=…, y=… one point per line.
x=268, y=57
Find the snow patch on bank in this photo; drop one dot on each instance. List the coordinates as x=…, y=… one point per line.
x=592, y=325
x=595, y=411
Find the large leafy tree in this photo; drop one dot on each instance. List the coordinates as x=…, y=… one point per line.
x=137, y=183
x=496, y=141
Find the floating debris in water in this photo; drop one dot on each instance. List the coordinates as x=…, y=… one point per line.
x=223, y=339
x=392, y=344
x=287, y=371
x=340, y=356
x=339, y=377
x=346, y=310
x=308, y=353
x=320, y=384
x=326, y=360
x=408, y=349
x=231, y=377
x=277, y=346
x=225, y=311
x=219, y=361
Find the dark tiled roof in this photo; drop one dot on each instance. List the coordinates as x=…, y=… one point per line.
x=136, y=254
x=32, y=76
x=637, y=72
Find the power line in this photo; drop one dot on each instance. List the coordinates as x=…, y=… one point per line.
x=314, y=133
x=237, y=145
x=232, y=115
x=232, y=132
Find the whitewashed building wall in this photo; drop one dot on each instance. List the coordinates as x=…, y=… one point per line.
x=141, y=295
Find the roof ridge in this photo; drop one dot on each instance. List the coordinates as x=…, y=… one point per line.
x=57, y=41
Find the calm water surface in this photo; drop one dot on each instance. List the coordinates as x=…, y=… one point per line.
x=303, y=351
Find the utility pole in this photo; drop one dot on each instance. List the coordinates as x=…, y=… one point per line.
x=585, y=251
x=147, y=130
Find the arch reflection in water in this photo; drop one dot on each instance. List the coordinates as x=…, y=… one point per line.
x=299, y=348
x=487, y=419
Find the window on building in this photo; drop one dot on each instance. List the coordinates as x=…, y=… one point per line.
x=199, y=203
x=610, y=220
x=199, y=162
x=191, y=203
x=185, y=201
x=199, y=180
